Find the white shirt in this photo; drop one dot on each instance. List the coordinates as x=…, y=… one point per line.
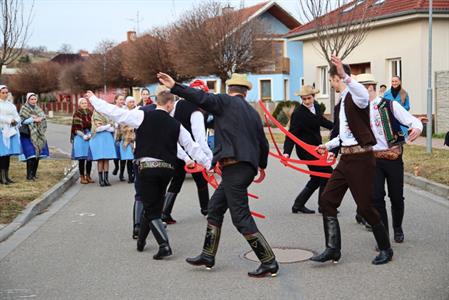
x=134, y=119
x=8, y=113
x=312, y=109
x=399, y=112
x=360, y=97
x=198, y=132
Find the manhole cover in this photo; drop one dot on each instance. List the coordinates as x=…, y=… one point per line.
x=284, y=255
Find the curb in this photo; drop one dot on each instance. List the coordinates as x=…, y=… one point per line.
x=39, y=204
x=427, y=185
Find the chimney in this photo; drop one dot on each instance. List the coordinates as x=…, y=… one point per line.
x=227, y=9
x=83, y=53
x=131, y=36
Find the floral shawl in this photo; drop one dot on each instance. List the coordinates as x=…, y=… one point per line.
x=37, y=130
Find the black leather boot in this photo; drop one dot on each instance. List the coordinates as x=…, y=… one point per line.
x=30, y=165
x=203, y=196
x=101, y=179
x=167, y=208
x=144, y=230
x=116, y=166
x=8, y=162
x=137, y=216
x=160, y=234
x=210, y=247
x=35, y=166
x=383, y=243
x=264, y=253
x=122, y=170
x=106, y=178
x=333, y=241
x=3, y=177
x=397, y=215
x=303, y=197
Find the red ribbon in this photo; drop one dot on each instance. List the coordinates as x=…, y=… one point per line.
x=288, y=162
x=214, y=183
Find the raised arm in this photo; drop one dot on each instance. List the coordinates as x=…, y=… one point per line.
x=207, y=101
x=132, y=118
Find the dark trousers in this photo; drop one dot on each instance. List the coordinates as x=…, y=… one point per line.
x=391, y=171
x=137, y=185
x=356, y=172
x=316, y=182
x=180, y=175
x=232, y=193
x=154, y=182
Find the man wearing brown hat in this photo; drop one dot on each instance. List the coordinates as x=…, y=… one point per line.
x=241, y=148
x=305, y=124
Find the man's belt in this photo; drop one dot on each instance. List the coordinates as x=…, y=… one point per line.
x=355, y=149
x=155, y=164
x=389, y=154
x=227, y=162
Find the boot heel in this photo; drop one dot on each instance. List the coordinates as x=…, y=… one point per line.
x=274, y=274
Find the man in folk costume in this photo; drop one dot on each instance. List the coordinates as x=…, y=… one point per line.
x=189, y=115
x=157, y=138
x=305, y=124
x=356, y=168
x=9, y=134
x=241, y=148
x=387, y=117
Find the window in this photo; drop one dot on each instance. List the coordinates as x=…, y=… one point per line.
x=212, y=85
x=360, y=68
x=395, y=67
x=265, y=89
x=286, y=88
x=323, y=80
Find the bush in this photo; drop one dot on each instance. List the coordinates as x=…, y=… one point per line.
x=281, y=105
x=322, y=107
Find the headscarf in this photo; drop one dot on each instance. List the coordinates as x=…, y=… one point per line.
x=37, y=130
x=129, y=98
x=98, y=120
x=82, y=120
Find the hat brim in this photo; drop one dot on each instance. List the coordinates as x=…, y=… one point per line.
x=244, y=83
x=313, y=92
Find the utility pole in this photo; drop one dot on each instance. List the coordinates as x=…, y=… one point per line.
x=429, y=85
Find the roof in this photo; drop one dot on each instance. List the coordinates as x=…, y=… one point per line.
x=381, y=10
x=67, y=58
x=271, y=7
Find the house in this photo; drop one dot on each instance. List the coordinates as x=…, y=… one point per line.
x=282, y=79
x=396, y=45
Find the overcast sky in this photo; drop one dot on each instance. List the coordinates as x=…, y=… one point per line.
x=83, y=23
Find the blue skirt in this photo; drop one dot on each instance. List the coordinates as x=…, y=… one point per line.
x=80, y=148
x=102, y=146
x=127, y=153
x=29, y=151
x=14, y=146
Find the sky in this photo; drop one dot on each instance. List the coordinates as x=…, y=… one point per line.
x=84, y=23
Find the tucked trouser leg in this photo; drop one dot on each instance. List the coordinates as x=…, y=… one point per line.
x=203, y=192
x=379, y=192
x=138, y=205
x=395, y=183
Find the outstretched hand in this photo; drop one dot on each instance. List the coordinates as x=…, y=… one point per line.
x=339, y=65
x=89, y=94
x=166, y=80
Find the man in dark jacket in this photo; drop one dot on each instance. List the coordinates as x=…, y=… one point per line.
x=305, y=124
x=241, y=148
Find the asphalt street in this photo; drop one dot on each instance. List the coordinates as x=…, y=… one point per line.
x=82, y=249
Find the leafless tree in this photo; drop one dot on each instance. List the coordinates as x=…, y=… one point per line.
x=36, y=77
x=211, y=40
x=65, y=49
x=14, y=30
x=72, y=79
x=339, y=26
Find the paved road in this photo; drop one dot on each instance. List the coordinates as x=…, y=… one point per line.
x=84, y=250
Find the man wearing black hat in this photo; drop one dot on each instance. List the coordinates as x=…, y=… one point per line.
x=241, y=148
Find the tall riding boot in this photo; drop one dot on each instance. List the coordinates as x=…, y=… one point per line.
x=101, y=179
x=383, y=243
x=8, y=162
x=210, y=247
x=106, y=178
x=35, y=166
x=116, y=166
x=203, y=196
x=299, y=205
x=30, y=165
x=397, y=215
x=160, y=234
x=122, y=170
x=333, y=241
x=264, y=253
x=143, y=233
x=137, y=212
x=167, y=208
x=3, y=177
